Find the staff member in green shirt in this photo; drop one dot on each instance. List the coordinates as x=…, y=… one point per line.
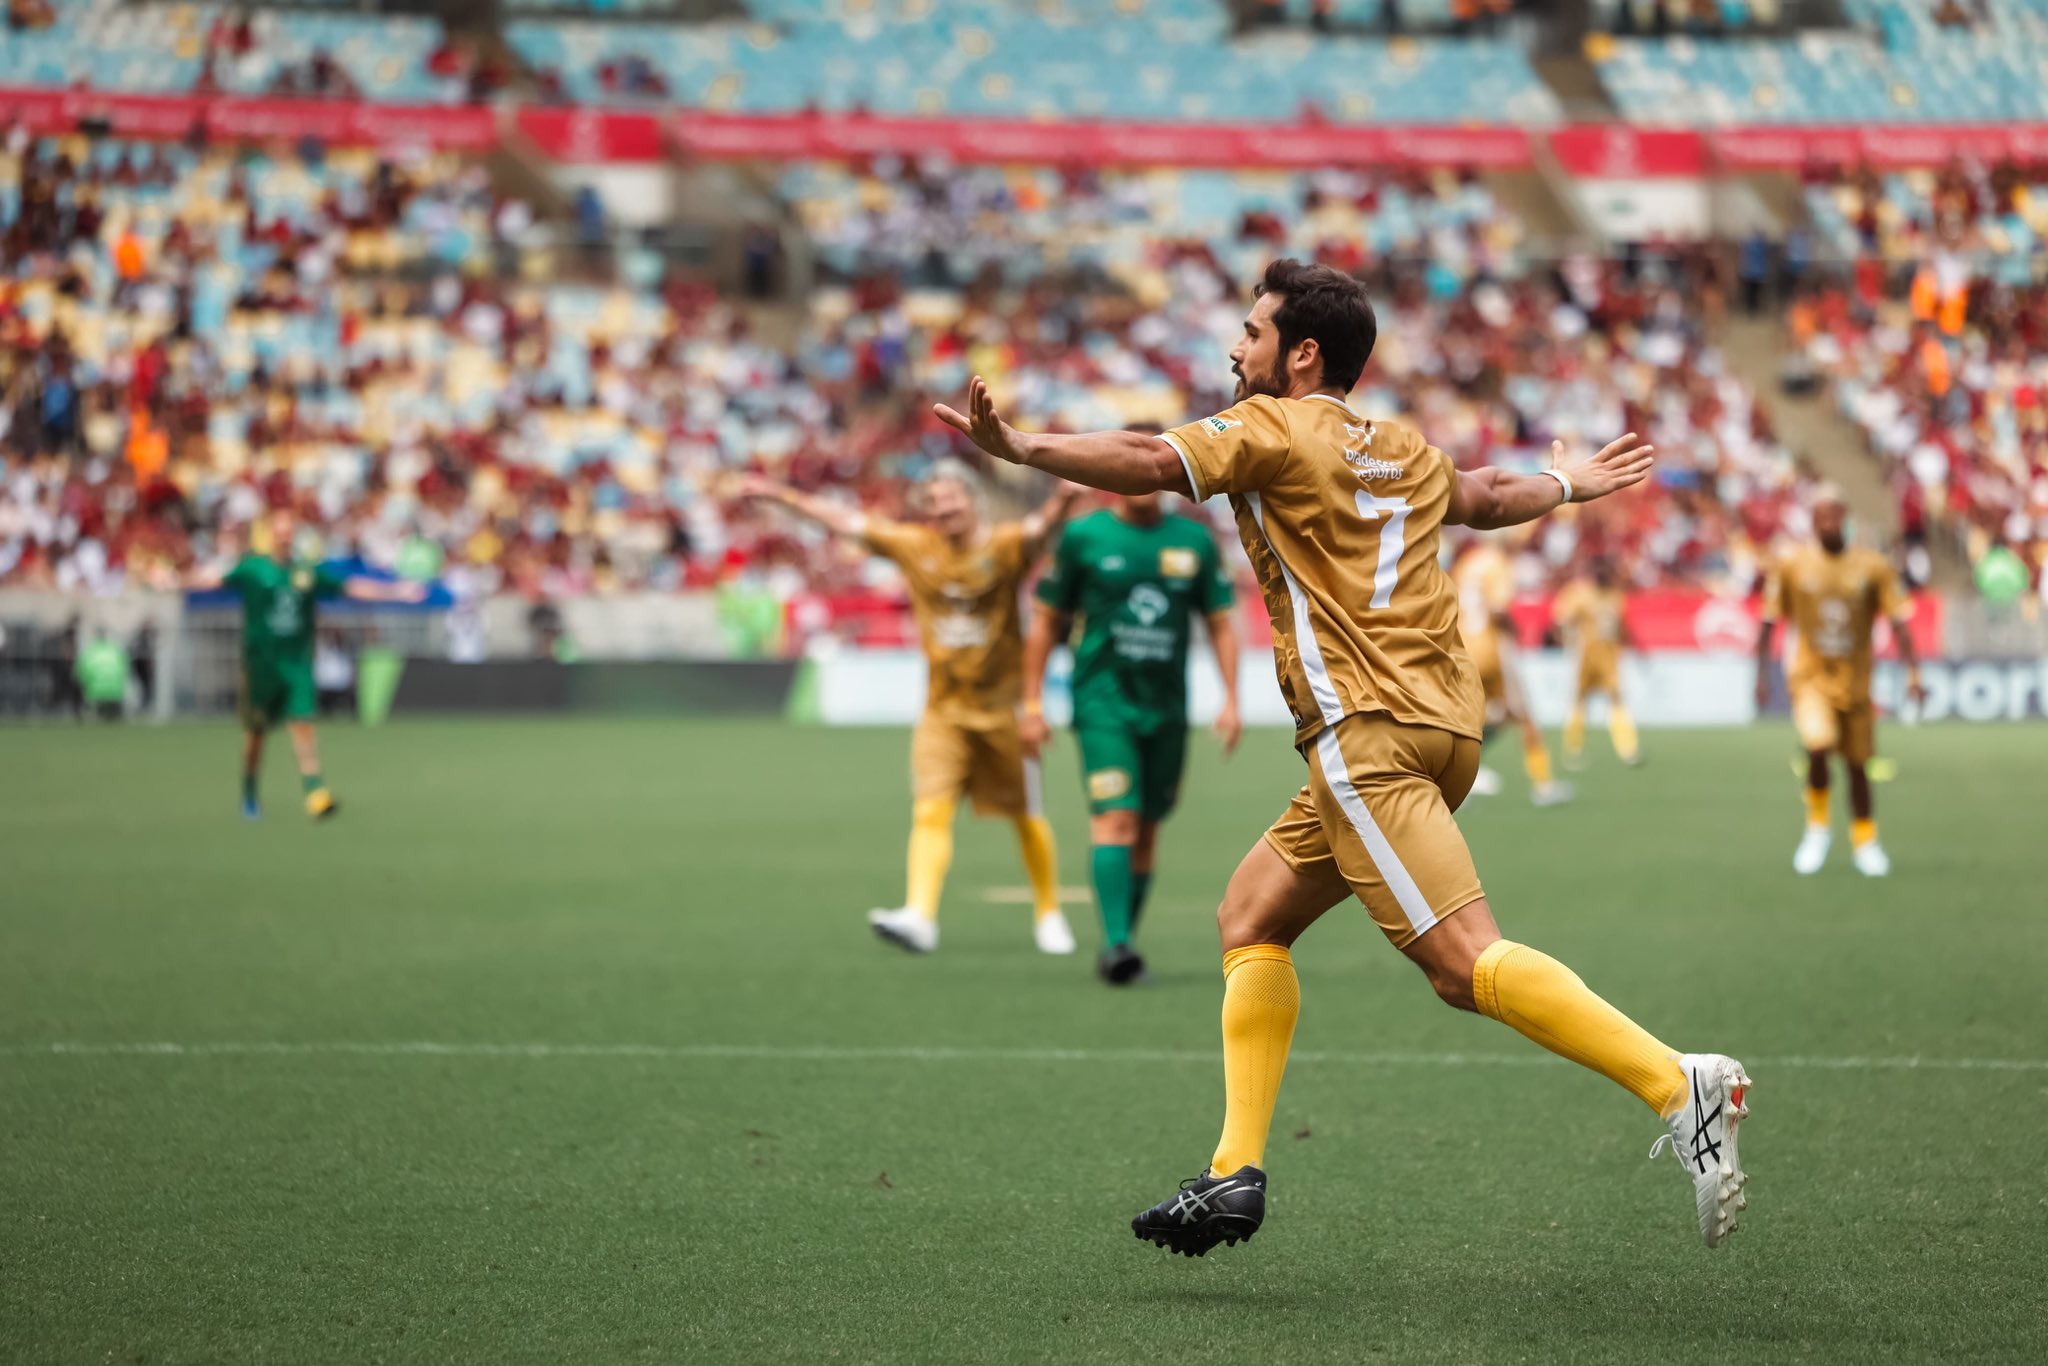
x=278, y=593
x=1136, y=576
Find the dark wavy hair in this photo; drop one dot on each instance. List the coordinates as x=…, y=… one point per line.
x=1324, y=304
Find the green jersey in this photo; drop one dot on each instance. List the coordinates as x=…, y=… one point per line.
x=1137, y=590
x=277, y=607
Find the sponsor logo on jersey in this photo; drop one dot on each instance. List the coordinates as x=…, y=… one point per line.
x=1179, y=562
x=1220, y=425
x=1112, y=563
x=1369, y=468
x=1107, y=784
x=302, y=579
x=1148, y=604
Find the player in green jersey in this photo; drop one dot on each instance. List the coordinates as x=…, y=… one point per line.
x=278, y=593
x=1136, y=576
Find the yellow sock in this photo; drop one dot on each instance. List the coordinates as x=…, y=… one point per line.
x=1816, y=806
x=1544, y=1001
x=1261, y=1002
x=1041, y=862
x=1621, y=728
x=1536, y=758
x=1862, y=832
x=1575, y=731
x=931, y=851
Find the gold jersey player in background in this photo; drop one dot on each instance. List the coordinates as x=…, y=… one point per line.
x=1833, y=593
x=1593, y=614
x=1485, y=584
x=1341, y=516
x=966, y=581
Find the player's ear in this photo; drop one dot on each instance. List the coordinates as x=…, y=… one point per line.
x=1307, y=359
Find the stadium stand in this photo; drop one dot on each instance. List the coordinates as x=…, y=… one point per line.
x=1903, y=64
x=175, y=48
x=193, y=334
x=1132, y=65
x=1931, y=334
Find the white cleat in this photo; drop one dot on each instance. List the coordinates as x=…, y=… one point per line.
x=1485, y=783
x=905, y=928
x=1053, y=934
x=1812, y=851
x=1702, y=1138
x=1553, y=793
x=1872, y=861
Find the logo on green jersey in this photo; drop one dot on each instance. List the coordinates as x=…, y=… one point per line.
x=1148, y=604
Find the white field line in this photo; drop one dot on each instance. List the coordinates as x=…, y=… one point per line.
x=828, y=1053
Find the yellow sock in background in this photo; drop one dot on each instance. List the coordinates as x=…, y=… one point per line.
x=1816, y=806
x=1041, y=862
x=1575, y=730
x=1544, y=1001
x=1621, y=729
x=931, y=853
x=1864, y=831
x=1261, y=1002
x=1536, y=758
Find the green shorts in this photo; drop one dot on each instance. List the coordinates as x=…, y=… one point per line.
x=277, y=691
x=1132, y=770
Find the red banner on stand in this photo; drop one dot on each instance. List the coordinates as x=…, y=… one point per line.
x=1615, y=151
x=590, y=136
x=452, y=128
x=1903, y=145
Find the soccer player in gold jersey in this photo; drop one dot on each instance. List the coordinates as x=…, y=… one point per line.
x=1594, y=616
x=966, y=579
x=1833, y=593
x=1341, y=516
x=1484, y=582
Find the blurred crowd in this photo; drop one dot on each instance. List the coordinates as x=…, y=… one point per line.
x=189, y=334
x=1931, y=326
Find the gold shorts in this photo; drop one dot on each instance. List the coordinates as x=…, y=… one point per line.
x=1823, y=724
x=1378, y=807
x=979, y=757
x=1599, y=671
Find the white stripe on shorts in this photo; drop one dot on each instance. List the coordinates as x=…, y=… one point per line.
x=1338, y=775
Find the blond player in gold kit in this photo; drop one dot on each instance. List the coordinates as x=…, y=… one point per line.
x=1341, y=514
x=966, y=580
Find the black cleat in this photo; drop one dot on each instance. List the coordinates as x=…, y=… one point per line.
x=1209, y=1210
x=1119, y=965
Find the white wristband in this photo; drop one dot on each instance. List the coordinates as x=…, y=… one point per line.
x=1564, y=482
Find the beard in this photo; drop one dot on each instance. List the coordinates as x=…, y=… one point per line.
x=1271, y=385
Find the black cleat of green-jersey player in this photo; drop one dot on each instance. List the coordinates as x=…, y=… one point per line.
x=279, y=592
x=1135, y=577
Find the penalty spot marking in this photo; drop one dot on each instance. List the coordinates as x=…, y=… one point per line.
x=913, y=1053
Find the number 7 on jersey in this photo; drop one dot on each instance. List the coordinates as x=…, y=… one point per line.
x=1393, y=538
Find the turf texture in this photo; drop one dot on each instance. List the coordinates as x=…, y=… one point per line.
x=566, y=1042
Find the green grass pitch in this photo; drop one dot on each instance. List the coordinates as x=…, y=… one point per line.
x=755, y=1134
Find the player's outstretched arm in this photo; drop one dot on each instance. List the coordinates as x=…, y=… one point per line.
x=1492, y=497
x=835, y=519
x=1121, y=462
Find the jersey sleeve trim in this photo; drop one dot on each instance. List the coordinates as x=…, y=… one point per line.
x=1187, y=463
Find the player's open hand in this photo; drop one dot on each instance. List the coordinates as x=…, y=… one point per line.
x=1616, y=466
x=983, y=425
x=1229, y=728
